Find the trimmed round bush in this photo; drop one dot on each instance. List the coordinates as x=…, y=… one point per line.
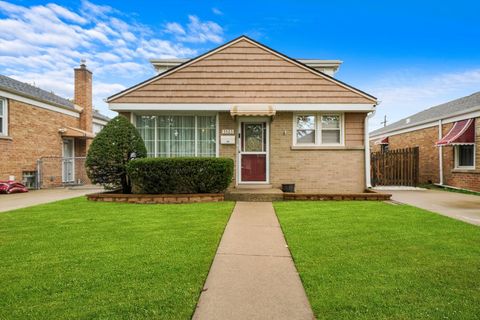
x=180, y=175
x=111, y=150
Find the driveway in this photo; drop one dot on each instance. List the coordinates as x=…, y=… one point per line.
x=34, y=197
x=459, y=206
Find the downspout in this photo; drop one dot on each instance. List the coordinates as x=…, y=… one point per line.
x=440, y=153
x=368, y=182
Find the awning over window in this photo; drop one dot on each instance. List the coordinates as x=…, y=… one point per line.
x=252, y=110
x=382, y=141
x=462, y=132
x=76, y=133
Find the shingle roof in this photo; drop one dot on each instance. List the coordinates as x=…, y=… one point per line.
x=27, y=90
x=445, y=110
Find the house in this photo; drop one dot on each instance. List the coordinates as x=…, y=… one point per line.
x=36, y=124
x=448, y=138
x=282, y=120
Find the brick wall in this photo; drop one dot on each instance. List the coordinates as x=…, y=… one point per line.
x=429, y=157
x=33, y=133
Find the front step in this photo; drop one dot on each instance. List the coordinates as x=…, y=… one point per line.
x=254, y=195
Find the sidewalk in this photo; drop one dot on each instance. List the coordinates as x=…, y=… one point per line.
x=253, y=275
x=34, y=197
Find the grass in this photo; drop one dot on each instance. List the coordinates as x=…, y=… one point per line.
x=444, y=188
x=372, y=260
x=76, y=259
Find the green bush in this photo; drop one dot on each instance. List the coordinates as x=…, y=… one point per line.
x=111, y=150
x=180, y=175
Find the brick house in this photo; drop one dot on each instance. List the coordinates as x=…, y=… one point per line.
x=37, y=124
x=280, y=119
x=448, y=138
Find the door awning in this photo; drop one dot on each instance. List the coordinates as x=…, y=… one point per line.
x=382, y=141
x=261, y=110
x=76, y=133
x=462, y=132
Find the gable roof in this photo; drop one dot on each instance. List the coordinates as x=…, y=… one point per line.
x=229, y=44
x=29, y=91
x=442, y=111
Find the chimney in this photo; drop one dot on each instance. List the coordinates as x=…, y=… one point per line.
x=83, y=96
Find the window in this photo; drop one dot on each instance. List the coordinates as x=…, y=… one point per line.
x=465, y=156
x=178, y=136
x=384, y=148
x=318, y=129
x=3, y=117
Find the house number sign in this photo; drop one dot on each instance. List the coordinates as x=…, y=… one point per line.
x=228, y=136
x=228, y=131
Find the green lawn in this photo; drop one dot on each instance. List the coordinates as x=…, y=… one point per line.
x=372, y=260
x=78, y=259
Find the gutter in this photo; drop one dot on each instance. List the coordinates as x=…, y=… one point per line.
x=368, y=181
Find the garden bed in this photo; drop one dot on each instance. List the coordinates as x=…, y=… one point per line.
x=367, y=195
x=155, y=198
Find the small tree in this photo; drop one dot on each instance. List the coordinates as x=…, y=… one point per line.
x=111, y=150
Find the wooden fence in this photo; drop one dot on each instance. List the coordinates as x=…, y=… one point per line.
x=395, y=167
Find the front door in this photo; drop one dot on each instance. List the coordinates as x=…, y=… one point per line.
x=253, y=152
x=68, y=175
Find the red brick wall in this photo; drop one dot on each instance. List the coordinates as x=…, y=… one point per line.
x=33, y=133
x=429, y=157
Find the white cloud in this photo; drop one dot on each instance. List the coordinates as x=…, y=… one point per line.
x=197, y=31
x=217, y=11
x=42, y=44
x=406, y=93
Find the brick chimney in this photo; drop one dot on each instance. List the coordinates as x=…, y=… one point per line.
x=83, y=96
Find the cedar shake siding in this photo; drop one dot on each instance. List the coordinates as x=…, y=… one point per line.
x=242, y=73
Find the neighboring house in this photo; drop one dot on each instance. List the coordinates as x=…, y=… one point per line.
x=282, y=120
x=448, y=138
x=37, y=124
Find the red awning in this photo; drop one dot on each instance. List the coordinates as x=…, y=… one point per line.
x=382, y=141
x=462, y=132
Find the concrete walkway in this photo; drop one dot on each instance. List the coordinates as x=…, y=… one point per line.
x=34, y=197
x=253, y=275
x=459, y=206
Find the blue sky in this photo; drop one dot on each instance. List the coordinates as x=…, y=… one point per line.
x=409, y=54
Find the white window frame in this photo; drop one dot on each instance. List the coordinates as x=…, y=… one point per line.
x=195, y=115
x=4, y=106
x=318, y=129
x=456, y=150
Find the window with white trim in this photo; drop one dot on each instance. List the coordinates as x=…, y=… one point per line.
x=465, y=156
x=3, y=117
x=317, y=129
x=178, y=135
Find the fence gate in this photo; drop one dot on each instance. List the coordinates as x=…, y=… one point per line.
x=395, y=167
x=61, y=171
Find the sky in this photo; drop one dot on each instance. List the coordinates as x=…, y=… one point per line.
x=411, y=55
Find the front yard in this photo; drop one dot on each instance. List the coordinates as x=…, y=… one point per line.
x=371, y=260
x=78, y=259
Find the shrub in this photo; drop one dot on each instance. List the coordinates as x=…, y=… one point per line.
x=111, y=150
x=180, y=175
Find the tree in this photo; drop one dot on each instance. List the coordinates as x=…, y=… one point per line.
x=111, y=150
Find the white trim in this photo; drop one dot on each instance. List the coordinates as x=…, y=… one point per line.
x=228, y=106
x=430, y=123
x=5, y=110
x=240, y=152
x=368, y=179
x=100, y=122
x=226, y=45
x=217, y=133
x=39, y=104
x=318, y=130
x=456, y=160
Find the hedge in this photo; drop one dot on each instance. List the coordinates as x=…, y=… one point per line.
x=180, y=175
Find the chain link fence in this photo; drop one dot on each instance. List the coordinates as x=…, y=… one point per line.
x=60, y=172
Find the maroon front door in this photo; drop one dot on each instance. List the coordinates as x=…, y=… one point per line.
x=253, y=152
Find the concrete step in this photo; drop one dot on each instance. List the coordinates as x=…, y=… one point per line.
x=254, y=195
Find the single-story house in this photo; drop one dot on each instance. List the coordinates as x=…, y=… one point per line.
x=281, y=120
x=448, y=138
x=36, y=124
